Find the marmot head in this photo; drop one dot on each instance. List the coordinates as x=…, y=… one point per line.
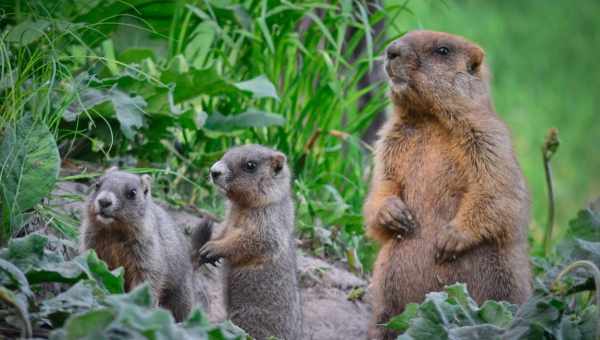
x=430, y=71
x=252, y=175
x=119, y=198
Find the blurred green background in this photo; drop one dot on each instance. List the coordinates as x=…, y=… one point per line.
x=544, y=61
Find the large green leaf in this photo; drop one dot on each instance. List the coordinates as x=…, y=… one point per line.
x=88, y=325
x=586, y=225
x=129, y=111
x=400, y=321
x=11, y=275
x=192, y=82
x=80, y=298
x=113, y=281
x=260, y=87
x=30, y=164
x=85, y=100
x=40, y=265
x=249, y=119
x=583, y=237
x=28, y=31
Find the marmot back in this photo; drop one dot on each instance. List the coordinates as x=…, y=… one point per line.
x=261, y=284
x=126, y=228
x=448, y=201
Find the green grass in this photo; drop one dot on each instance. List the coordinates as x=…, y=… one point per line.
x=127, y=85
x=543, y=55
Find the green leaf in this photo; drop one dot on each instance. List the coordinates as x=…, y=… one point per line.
x=249, y=119
x=15, y=277
x=135, y=55
x=25, y=251
x=496, y=313
x=426, y=329
x=588, y=322
x=195, y=82
x=260, y=87
x=197, y=319
x=476, y=332
x=129, y=110
x=586, y=225
x=583, y=237
x=113, y=281
x=28, y=31
x=82, y=297
x=89, y=325
x=139, y=296
x=192, y=119
x=30, y=165
x=400, y=322
x=85, y=100
x=538, y=311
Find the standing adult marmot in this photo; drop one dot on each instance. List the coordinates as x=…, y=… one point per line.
x=126, y=228
x=261, y=284
x=448, y=202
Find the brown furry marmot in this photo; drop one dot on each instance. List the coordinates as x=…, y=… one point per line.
x=257, y=242
x=127, y=229
x=448, y=202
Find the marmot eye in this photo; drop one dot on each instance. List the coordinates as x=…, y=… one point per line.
x=250, y=166
x=97, y=185
x=442, y=50
x=131, y=194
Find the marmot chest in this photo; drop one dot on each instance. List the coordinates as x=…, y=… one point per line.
x=429, y=165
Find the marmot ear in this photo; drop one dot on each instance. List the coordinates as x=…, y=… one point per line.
x=475, y=60
x=146, y=184
x=278, y=162
x=112, y=168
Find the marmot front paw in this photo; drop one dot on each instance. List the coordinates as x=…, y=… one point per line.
x=451, y=242
x=209, y=253
x=394, y=215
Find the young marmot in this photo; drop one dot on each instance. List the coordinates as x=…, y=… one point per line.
x=448, y=202
x=261, y=285
x=126, y=228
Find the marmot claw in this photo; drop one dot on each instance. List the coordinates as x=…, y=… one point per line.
x=450, y=243
x=394, y=215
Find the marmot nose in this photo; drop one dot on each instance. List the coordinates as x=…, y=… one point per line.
x=215, y=174
x=395, y=50
x=104, y=202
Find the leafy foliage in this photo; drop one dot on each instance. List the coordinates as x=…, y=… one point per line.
x=90, y=302
x=29, y=168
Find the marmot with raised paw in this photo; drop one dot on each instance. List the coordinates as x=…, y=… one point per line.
x=257, y=242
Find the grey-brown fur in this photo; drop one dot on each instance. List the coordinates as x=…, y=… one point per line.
x=261, y=285
x=135, y=233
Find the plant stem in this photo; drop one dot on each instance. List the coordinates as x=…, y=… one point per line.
x=550, y=223
x=548, y=150
x=591, y=267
